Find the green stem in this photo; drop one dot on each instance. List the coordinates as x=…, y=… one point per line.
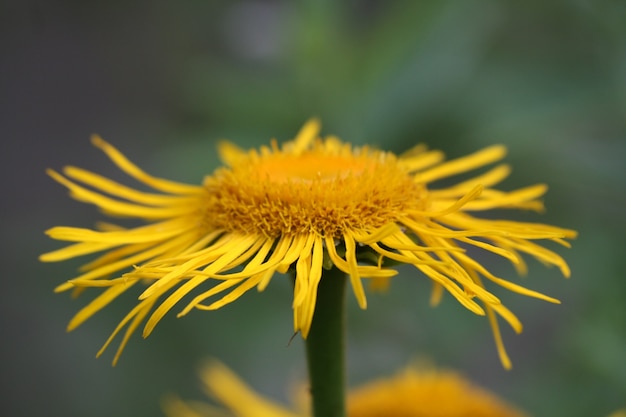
x=325, y=347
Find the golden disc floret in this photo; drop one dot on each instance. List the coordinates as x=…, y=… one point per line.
x=326, y=190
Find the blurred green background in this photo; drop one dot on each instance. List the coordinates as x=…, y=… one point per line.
x=164, y=80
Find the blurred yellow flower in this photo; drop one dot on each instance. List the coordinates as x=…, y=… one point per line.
x=310, y=204
x=412, y=392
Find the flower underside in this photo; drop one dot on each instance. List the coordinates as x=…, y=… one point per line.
x=310, y=204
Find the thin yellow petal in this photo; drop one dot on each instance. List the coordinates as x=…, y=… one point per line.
x=216, y=256
x=115, y=255
x=472, y=264
x=305, y=136
x=229, y=153
x=303, y=266
x=491, y=248
x=202, y=246
x=131, y=169
x=510, y=318
x=74, y=251
x=118, y=265
x=355, y=279
x=301, y=286
x=452, y=288
x=246, y=285
x=522, y=230
x=435, y=229
x=119, y=208
x=463, y=164
x=300, y=293
x=303, y=313
x=244, y=259
x=266, y=277
x=294, y=251
x=521, y=290
x=411, y=260
x=488, y=179
x=459, y=274
x=377, y=235
x=175, y=407
x=254, y=266
x=183, y=290
x=138, y=235
x=394, y=242
x=363, y=271
x=134, y=324
x=436, y=294
x=140, y=310
x=97, y=304
x=237, y=396
x=450, y=270
x=541, y=253
x=444, y=280
x=510, y=199
x=66, y=286
x=195, y=303
x=349, y=266
x=420, y=160
x=493, y=322
x=463, y=202
x=116, y=189
x=376, y=272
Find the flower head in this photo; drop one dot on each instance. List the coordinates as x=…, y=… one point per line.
x=412, y=392
x=310, y=204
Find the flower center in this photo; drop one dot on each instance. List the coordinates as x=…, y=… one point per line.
x=309, y=167
x=325, y=191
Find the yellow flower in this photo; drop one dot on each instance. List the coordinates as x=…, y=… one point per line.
x=412, y=392
x=310, y=204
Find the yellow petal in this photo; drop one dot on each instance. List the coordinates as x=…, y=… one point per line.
x=116, y=189
x=355, y=278
x=495, y=329
x=97, y=304
x=237, y=396
x=131, y=169
x=230, y=153
x=305, y=136
x=463, y=164
x=488, y=179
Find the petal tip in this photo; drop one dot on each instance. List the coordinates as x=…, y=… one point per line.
x=97, y=141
